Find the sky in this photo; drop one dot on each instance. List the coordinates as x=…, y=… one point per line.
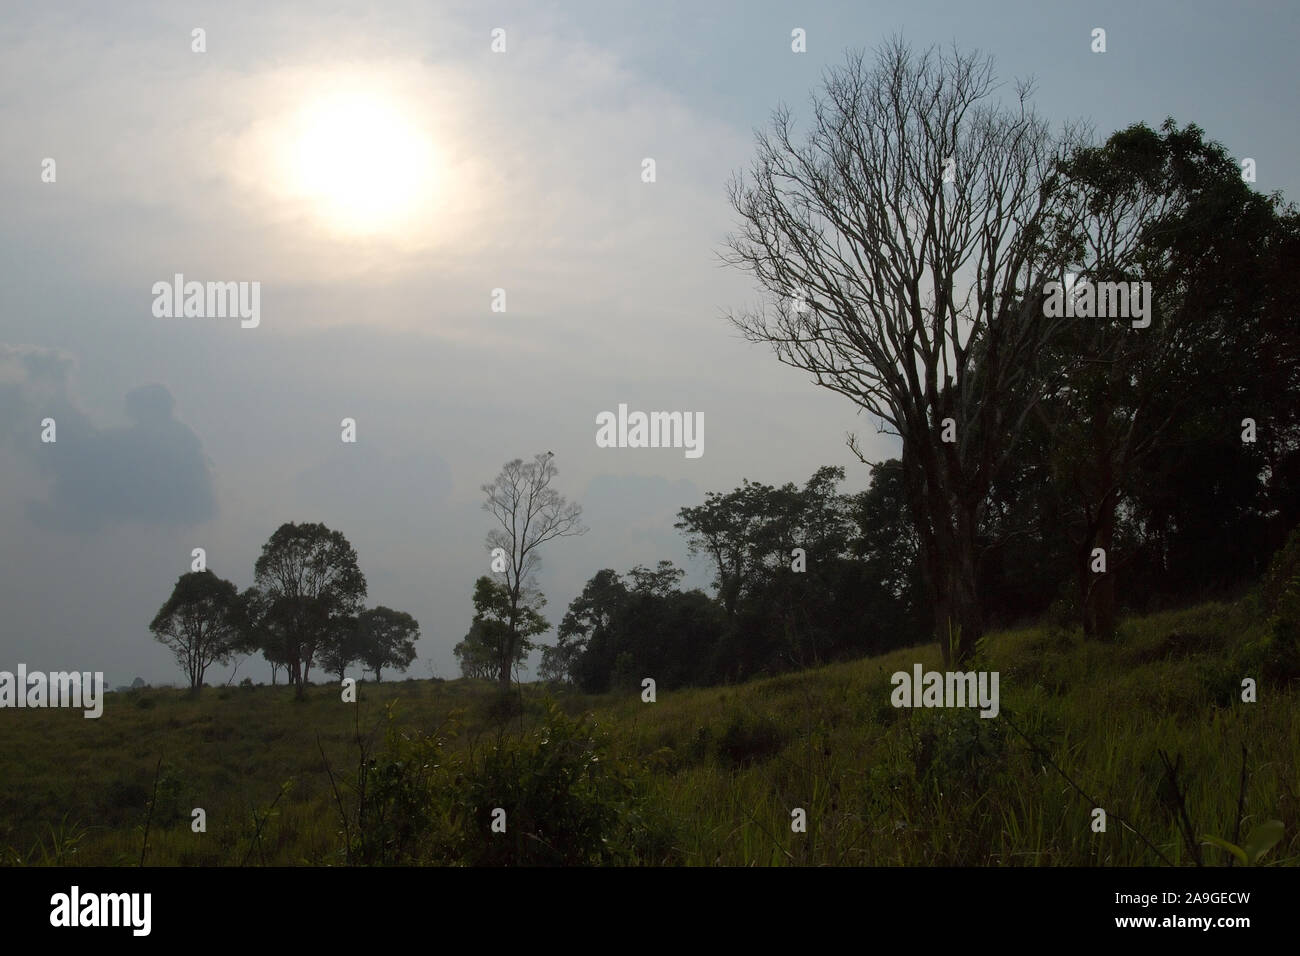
x=379, y=170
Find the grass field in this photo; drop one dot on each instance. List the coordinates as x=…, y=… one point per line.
x=708, y=776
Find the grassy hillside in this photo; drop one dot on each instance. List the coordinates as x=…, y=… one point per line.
x=707, y=776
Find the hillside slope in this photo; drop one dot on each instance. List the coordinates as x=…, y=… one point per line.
x=700, y=776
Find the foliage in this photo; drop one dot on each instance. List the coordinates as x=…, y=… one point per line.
x=200, y=623
x=309, y=589
x=502, y=630
x=566, y=799
x=386, y=638
x=1281, y=597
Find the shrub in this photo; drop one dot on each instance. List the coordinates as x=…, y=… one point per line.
x=1281, y=600
x=396, y=815
x=170, y=803
x=505, y=706
x=1283, y=574
x=123, y=799
x=1062, y=616
x=957, y=749
x=568, y=800
x=748, y=740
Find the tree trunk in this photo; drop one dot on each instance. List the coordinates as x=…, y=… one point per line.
x=1083, y=576
x=299, y=691
x=507, y=658
x=966, y=601
x=946, y=525
x=958, y=618
x=503, y=667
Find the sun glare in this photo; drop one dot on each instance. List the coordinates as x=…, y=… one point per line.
x=360, y=163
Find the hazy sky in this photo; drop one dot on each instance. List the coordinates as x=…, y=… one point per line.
x=380, y=171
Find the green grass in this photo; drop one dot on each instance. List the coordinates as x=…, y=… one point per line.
x=724, y=767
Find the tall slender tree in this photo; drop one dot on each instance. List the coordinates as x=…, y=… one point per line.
x=529, y=513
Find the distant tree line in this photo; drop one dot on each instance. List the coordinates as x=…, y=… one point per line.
x=305, y=608
x=804, y=576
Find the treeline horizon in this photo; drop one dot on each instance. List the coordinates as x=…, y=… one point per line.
x=1089, y=353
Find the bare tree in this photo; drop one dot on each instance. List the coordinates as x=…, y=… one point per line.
x=530, y=513
x=905, y=243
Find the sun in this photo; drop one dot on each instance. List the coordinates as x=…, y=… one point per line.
x=360, y=161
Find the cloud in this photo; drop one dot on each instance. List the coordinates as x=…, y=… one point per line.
x=366, y=484
x=151, y=471
x=631, y=517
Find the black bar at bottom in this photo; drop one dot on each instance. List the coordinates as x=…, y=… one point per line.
x=341, y=905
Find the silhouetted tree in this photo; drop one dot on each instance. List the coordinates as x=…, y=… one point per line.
x=478, y=653
x=912, y=296
x=386, y=638
x=502, y=630
x=309, y=582
x=622, y=629
x=199, y=623
x=1133, y=405
x=263, y=631
x=343, y=648
x=530, y=513
x=591, y=612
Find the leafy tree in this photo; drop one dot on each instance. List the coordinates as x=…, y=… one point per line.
x=530, y=513
x=729, y=529
x=558, y=662
x=344, y=647
x=1133, y=406
x=500, y=636
x=660, y=582
x=790, y=608
x=591, y=612
x=623, y=628
x=386, y=638
x=263, y=631
x=311, y=585
x=200, y=623
x=478, y=652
